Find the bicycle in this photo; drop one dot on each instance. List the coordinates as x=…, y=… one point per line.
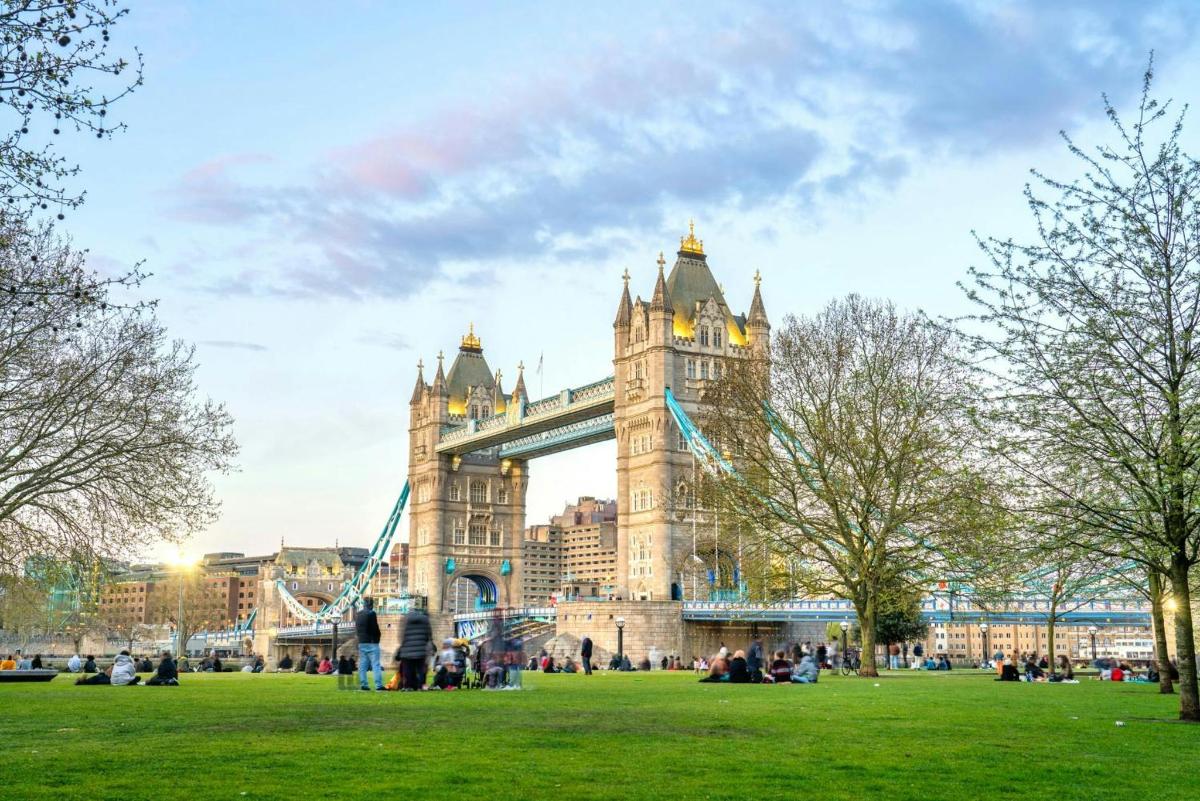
x=851, y=662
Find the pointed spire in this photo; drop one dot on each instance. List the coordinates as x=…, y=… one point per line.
x=661, y=300
x=624, y=307
x=439, y=379
x=498, y=400
x=519, y=389
x=419, y=389
x=758, y=312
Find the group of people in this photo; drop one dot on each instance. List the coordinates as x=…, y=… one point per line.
x=748, y=667
x=123, y=672
x=18, y=662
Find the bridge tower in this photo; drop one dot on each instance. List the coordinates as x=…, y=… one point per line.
x=680, y=340
x=466, y=513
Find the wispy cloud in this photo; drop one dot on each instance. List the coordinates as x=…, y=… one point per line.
x=233, y=344
x=782, y=105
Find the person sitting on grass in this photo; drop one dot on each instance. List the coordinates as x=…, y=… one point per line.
x=569, y=666
x=146, y=666
x=781, y=669
x=89, y=666
x=807, y=672
x=8, y=663
x=310, y=666
x=120, y=673
x=285, y=663
x=167, y=675
x=326, y=667
x=75, y=664
x=493, y=676
x=739, y=671
x=1065, y=671
x=548, y=665
x=717, y=672
x=1034, y=672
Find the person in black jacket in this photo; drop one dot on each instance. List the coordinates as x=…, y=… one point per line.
x=90, y=665
x=415, y=648
x=585, y=655
x=166, y=675
x=738, y=672
x=366, y=628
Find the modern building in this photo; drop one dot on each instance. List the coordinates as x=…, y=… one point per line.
x=573, y=556
x=964, y=642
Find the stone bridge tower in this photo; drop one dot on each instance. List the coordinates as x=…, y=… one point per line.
x=466, y=513
x=680, y=339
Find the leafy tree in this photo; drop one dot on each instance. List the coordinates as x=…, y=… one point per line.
x=862, y=470
x=104, y=445
x=51, y=52
x=1090, y=336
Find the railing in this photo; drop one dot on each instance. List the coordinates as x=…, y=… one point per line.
x=530, y=612
x=568, y=433
x=566, y=400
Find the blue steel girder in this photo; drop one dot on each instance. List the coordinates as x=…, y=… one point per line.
x=574, y=435
x=522, y=420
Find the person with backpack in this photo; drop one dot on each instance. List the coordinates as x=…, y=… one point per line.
x=366, y=628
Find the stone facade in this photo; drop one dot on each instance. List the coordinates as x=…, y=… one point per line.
x=466, y=513
x=679, y=340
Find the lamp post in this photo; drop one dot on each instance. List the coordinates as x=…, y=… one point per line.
x=620, y=639
x=1092, y=633
x=983, y=629
x=845, y=628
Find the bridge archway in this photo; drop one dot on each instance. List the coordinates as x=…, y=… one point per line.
x=471, y=590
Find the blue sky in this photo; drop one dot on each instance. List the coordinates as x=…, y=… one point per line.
x=326, y=198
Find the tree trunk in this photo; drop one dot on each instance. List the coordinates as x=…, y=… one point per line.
x=1050, y=634
x=1185, y=641
x=866, y=617
x=1160, y=634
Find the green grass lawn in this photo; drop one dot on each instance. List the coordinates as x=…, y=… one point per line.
x=635, y=736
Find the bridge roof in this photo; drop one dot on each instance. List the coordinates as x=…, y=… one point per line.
x=691, y=282
x=470, y=369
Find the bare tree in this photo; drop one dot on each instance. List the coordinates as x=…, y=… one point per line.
x=860, y=470
x=104, y=446
x=204, y=608
x=1091, y=338
x=51, y=52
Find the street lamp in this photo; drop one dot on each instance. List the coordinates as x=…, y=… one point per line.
x=1092, y=633
x=845, y=628
x=620, y=639
x=983, y=628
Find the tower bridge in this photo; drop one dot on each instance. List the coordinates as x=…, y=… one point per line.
x=470, y=450
x=471, y=443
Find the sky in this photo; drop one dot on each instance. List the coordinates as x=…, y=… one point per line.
x=325, y=199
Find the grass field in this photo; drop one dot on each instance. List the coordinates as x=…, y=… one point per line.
x=634, y=736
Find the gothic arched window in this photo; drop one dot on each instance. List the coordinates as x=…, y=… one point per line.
x=478, y=492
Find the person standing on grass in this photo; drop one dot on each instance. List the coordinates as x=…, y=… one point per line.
x=585, y=655
x=754, y=660
x=414, y=649
x=366, y=628
x=893, y=656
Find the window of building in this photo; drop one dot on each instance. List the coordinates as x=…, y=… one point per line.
x=501, y=495
x=704, y=370
x=478, y=534
x=494, y=538
x=423, y=492
x=460, y=536
x=455, y=491
x=716, y=337
x=691, y=368
x=478, y=492
x=704, y=335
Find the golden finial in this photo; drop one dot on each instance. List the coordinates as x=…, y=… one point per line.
x=757, y=278
x=470, y=341
x=690, y=244
x=499, y=375
x=661, y=261
x=625, y=277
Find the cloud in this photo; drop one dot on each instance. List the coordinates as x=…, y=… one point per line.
x=385, y=339
x=233, y=344
x=778, y=105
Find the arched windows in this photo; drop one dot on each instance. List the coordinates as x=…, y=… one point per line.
x=642, y=499
x=455, y=491
x=716, y=338
x=478, y=492
x=704, y=336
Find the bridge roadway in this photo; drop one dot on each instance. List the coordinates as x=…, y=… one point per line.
x=570, y=419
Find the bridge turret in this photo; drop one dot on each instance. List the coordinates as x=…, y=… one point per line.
x=421, y=388
x=758, y=329
x=662, y=313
